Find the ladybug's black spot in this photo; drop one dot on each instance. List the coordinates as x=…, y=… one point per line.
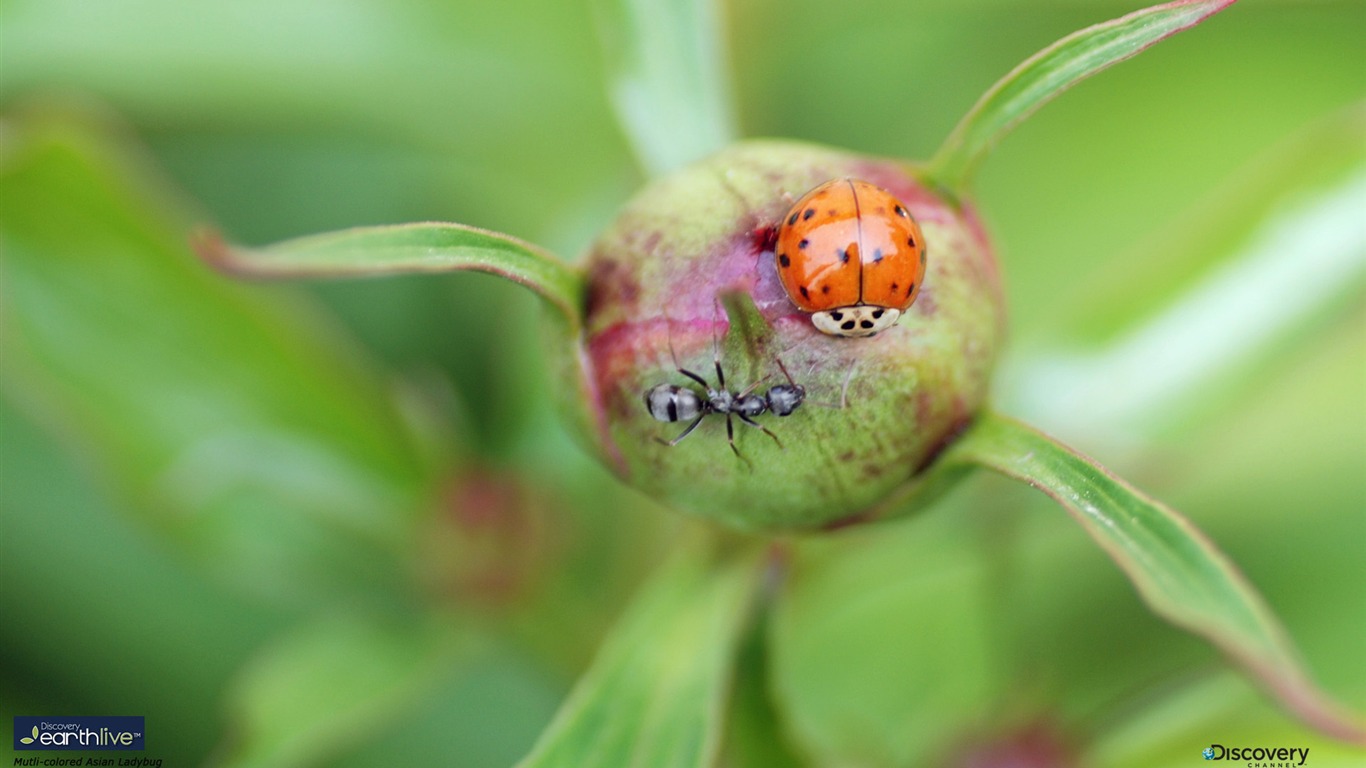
x=902, y=212
x=832, y=211
x=792, y=219
x=867, y=323
x=805, y=294
x=808, y=213
x=843, y=253
x=910, y=288
x=803, y=243
x=784, y=260
x=877, y=254
x=848, y=325
x=825, y=289
x=877, y=313
x=910, y=241
x=895, y=286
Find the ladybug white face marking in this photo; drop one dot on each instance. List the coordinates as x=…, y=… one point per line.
x=862, y=320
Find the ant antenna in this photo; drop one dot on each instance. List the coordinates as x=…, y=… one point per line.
x=783, y=368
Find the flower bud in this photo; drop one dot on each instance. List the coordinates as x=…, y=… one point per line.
x=686, y=278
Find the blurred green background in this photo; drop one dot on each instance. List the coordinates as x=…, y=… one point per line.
x=339, y=524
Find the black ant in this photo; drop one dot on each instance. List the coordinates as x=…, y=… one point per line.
x=669, y=402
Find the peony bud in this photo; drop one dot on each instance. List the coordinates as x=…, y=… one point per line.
x=686, y=277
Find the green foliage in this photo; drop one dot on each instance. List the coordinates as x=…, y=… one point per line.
x=1177, y=571
x=322, y=690
x=655, y=695
x=667, y=75
x=881, y=644
x=1209, y=295
x=243, y=426
x=408, y=249
x=216, y=501
x=1046, y=74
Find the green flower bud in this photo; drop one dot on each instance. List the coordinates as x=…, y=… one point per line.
x=686, y=277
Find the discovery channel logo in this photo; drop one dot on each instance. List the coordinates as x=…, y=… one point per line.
x=77, y=732
x=1258, y=757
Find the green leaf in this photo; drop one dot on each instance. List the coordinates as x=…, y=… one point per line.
x=1053, y=70
x=483, y=710
x=881, y=643
x=331, y=685
x=1162, y=728
x=655, y=694
x=1177, y=571
x=1303, y=199
x=668, y=78
x=407, y=249
x=60, y=536
x=236, y=420
x=754, y=736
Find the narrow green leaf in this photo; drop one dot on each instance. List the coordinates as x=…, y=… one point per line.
x=1177, y=571
x=655, y=694
x=236, y=421
x=668, y=78
x=754, y=727
x=1219, y=709
x=329, y=686
x=63, y=538
x=1053, y=70
x=407, y=249
x=1292, y=218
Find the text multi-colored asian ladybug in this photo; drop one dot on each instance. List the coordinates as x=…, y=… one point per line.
x=849, y=253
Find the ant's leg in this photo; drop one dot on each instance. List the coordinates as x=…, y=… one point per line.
x=730, y=438
x=750, y=389
x=716, y=347
x=766, y=431
x=696, y=378
x=685, y=433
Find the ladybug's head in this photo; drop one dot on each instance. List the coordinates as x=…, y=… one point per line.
x=855, y=322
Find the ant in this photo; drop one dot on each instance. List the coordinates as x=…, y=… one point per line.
x=669, y=402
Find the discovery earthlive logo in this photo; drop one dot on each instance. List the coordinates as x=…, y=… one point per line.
x=85, y=733
x=1258, y=757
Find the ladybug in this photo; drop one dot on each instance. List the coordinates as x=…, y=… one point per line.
x=850, y=254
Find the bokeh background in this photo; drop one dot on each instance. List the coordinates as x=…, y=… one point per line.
x=340, y=524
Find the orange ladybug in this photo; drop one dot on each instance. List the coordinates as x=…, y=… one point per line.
x=850, y=254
